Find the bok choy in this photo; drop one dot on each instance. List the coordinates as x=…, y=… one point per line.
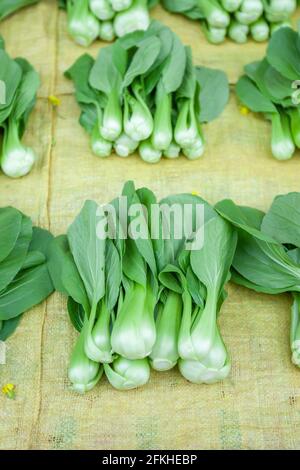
x=105, y=19
x=86, y=267
x=237, y=19
x=24, y=277
x=267, y=258
x=140, y=293
x=19, y=84
x=144, y=92
x=271, y=87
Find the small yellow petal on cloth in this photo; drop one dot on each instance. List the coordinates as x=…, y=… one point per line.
x=244, y=110
x=54, y=100
x=9, y=390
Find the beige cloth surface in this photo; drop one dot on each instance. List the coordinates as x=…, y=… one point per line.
x=259, y=405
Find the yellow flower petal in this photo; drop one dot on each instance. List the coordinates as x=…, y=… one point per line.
x=54, y=100
x=9, y=390
x=244, y=110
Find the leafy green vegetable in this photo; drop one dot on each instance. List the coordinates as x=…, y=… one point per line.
x=21, y=83
x=164, y=355
x=133, y=333
x=7, y=7
x=235, y=18
x=124, y=374
x=295, y=330
x=10, y=226
x=203, y=355
x=107, y=76
x=106, y=19
x=83, y=372
x=144, y=92
x=146, y=293
x=267, y=256
x=269, y=88
x=7, y=328
x=24, y=277
x=86, y=267
x=278, y=11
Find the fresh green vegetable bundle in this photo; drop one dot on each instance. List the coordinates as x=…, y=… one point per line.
x=105, y=19
x=141, y=295
x=143, y=92
x=24, y=276
x=237, y=19
x=19, y=83
x=272, y=87
x=268, y=252
x=7, y=7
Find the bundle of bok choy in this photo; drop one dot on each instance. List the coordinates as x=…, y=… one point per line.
x=267, y=258
x=144, y=92
x=139, y=294
x=24, y=277
x=237, y=19
x=105, y=19
x=272, y=87
x=19, y=83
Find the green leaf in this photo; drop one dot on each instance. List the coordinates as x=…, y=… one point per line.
x=79, y=73
x=9, y=327
x=278, y=86
x=145, y=198
x=134, y=266
x=282, y=222
x=109, y=69
x=196, y=288
x=26, y=93
x=188, y=85
x=173, y=279
x=266, y=265
x=258, y=258
x=88, y=250
x=113, y=275
x=294, y=254
x=10, y=75
x=142, y=60
x=271, y=84
x=165, y=36
x=41, y=240
x=33, y=259
x=62, y=4
x=76, y=314
x=12, y=264
x=7, y=7
x=214, y=93
x=10, y=226
x=88, y=117
x=38, y=249
x=173, y=72
x=64, y=273
x=241, y=281
x=251, y=97
x=189, y=8
x=169, y=249
x=28, y=289
x=212, y=263
x=244, y=218
x=283, y=53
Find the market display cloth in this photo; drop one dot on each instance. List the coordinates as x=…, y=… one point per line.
x=259, y=405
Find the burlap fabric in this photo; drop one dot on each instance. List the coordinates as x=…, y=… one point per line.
x=259, y=405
